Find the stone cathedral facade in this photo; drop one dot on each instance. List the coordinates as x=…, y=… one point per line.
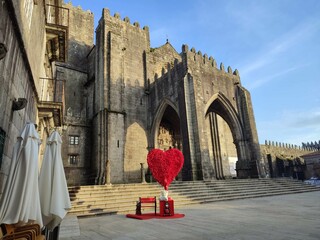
x=115, y=99
x=141, y=98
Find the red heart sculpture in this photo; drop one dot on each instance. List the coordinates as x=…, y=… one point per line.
x=165, y=165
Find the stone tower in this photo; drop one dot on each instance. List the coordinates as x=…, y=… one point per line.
x=120, y=117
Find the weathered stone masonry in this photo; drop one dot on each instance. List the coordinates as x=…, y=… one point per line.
x=139, y=90
x=115, y=100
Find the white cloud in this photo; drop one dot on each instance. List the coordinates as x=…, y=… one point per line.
x=264, y=80
x=292, y=127
x=310, y=119
x=279, y=47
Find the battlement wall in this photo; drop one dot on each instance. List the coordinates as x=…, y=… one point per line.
x=160, y=60
x=123, y=27
x=283, y=150
x=208, y=79
x=286, y=146
x=126, y=45
x=203, y=61
x=165, y=86
x=81, y=24
x=81, y=37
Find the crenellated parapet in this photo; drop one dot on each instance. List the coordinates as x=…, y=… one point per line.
x=274, y=152
x=74, y=8
x=169, y=72
x=269, y=143
x=106, y=13
x=203, y=59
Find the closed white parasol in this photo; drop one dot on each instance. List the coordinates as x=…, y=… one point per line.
x=54, y=195
x=20, y=201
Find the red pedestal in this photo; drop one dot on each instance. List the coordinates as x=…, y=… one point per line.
x=167, y=208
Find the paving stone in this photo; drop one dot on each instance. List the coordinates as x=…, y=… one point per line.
x=292, y=216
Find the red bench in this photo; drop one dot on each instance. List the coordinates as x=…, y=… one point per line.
x=146, y=202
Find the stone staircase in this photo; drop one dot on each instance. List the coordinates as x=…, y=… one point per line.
x=122, y=198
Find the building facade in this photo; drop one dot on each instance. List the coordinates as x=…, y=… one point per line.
x=33, y=37
x=147, y=98
x=312, y=162
x=285, y=160
x=115, y=100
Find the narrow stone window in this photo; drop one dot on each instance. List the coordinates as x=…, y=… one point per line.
x=2, y=140
x=73, y=159
x=73, y=140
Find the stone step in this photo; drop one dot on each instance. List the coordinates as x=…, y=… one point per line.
x=114, y=194
x=130, y=208
x=141, y=187
x=178, y=198
x=129, y=192
x=110, y=195
x=181, y=186
x=120, y=187
x=122, y=198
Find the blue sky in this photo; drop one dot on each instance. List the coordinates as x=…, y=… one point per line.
x=274, y=44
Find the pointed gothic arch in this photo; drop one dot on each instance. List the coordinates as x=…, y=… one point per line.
x=167, y=117
x=220, y=105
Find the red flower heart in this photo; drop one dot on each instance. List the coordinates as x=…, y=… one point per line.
x=165, y=165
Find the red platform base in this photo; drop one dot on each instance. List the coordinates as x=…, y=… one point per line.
x=148, y=216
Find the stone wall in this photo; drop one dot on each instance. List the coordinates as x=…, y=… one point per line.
x=138, y=87
x=81, y=37
x=312, y=161
x=124, y=92
x=31, y=23
x=218, y=91
x=23, y=37
x=120, y=96
x=272, y=151
x=78, y=97
x=119, y=93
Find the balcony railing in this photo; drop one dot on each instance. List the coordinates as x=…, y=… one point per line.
x=51, y=99
x=58, y=16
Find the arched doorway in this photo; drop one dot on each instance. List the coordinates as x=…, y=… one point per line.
x=168, y=135
x=222, y=150
x=225, y=137
x=166, y=131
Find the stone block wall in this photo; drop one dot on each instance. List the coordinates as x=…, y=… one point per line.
x=81, y=29
x=135, y=87
x=271, y=151
x=19, y=71
x=79, y=97
x=31, y=24
x=120, y=85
